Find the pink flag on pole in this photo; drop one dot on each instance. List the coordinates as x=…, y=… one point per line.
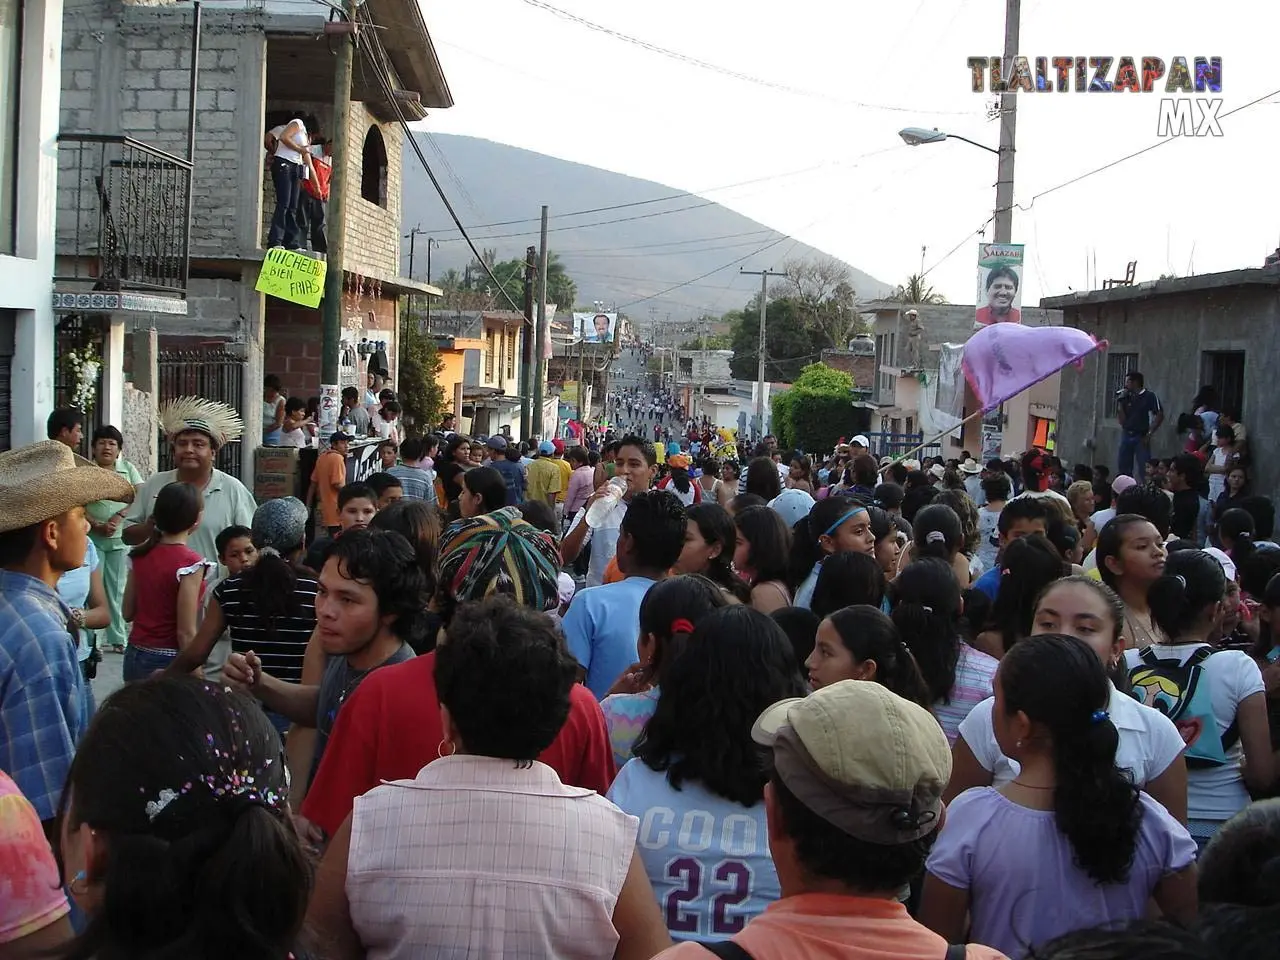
x=1003, y=359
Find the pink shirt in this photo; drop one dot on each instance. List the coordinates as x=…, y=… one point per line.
x=476, y=857
x=581, y=485
x=30, y=890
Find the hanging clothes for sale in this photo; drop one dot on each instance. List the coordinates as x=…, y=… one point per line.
x=378, y=362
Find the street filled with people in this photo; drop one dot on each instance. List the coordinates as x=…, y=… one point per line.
x=644, y=688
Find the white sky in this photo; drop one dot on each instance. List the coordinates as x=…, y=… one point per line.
x=524, y=76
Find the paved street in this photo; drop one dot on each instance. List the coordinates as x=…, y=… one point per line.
x=109, y=678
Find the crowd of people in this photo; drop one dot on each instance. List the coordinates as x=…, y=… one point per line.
x=553, y=699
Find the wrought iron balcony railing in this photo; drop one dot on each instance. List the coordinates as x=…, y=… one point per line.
x=122, y=215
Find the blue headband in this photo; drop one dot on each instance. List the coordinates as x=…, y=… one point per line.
x=852, y=513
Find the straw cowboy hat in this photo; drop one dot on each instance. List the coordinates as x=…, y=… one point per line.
x=45, y=479
x=971, y=466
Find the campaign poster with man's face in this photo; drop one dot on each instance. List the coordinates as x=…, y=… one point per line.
x=595, y=327
x=999, y=297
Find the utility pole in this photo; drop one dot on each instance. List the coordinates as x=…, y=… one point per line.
x=582, y=346
x=331, y=330
x=540, y=337
x=1003, y=226
x=764, y=276
x=526, y=342
x=411, y=236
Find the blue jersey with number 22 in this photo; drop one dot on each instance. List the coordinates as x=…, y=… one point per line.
x=707, y=857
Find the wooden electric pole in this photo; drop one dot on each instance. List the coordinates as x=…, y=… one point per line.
x=540, y=337
x=526, y=344
x=764, y=276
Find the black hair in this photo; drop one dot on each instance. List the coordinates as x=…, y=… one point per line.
x=1263, y=512
x=734, y=466
x=107, y=432
x=826, y=851
x=898, y=473
x=227, y=534
x=391, y=406
x=64, y=418
x=1207, y=397
x=1021, y=508
x=1224, y=431
x=736, y=663
x=847, y=579
x=579, y=455
x=411, y=451
x=488, y=484
x=997, y=487
x=1027, y=566
x=271, y=380
x=1238, y=931
x=1007, y=273
x=1110, y=540
x=1238, y=526
x=801, y=627
x=655, y=521
x=926, y=603
x=763, y=479
x=1115, y=606
x=1140, y=940
x=744, y=500
x=937, y=532
x=456, y=442
x=350, y=393
x=1150, y=502
x=381, y=482
x=1192, y=581
x=1059, y=682
x=356, y=491
x=16, y=545
x=1063, y=535
x=716, y=526
x=1136, y=377
x=865, y=470
x=177, y=508
x=1268, y=597
x=765, y=530
x=806, y=550
x=539, y=514
x=294, y=404
x=1241, y=864
x=222, y=847
x=889, y=496
x=680, y=478
x=505, y=675
x=686, y=597
x=640, y=443
x=419, y=523
x=870, y=634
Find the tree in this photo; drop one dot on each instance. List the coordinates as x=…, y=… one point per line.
x=915, y=290
x=818, y=410
x=420, y=367
x=791, y=342
x=561, y=289
x=715, y=341
x=827, y=301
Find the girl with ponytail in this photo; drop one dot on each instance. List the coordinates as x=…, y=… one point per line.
x=1070, y=842
x=861, y=643
x=175, y=836
x=1236, y=531
x=838, y=524
x=1226, y=729
x=937, y=532
x=1027, y=566
x=669, y=613
x=710, y=538
x=926, y=609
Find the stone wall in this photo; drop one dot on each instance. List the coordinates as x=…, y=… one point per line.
x=373, y=231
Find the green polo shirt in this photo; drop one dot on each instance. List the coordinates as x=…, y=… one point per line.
x=226, y=503
x=100, y=511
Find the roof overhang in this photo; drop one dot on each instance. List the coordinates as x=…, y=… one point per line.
x=1253, y=277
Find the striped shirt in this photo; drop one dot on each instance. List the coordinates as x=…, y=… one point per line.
x=975, y=673
x=282, y=644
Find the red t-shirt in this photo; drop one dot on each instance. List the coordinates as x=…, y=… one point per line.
x=155, y=593
x=389, y=729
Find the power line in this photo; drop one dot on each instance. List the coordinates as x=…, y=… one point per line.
x=727, y=72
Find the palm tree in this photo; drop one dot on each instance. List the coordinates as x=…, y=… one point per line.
x=915, y=290
x=561, y=289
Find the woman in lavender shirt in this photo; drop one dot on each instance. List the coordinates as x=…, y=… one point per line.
x=1070, y=842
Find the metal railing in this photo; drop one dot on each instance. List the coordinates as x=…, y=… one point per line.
x=211, y=374
x=122, y=214
x=894, y=444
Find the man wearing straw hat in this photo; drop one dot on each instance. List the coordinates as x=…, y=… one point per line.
x=44, y=702
x=197, y=429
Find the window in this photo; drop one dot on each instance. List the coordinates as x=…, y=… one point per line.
x=1118, y=367
x=686, y=366
x=911, y=424
x=1224, y=371
x=10, y=72
x=490, y=355
x=373, y=168
x=511, y=355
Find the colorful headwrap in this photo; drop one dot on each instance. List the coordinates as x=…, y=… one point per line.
x=499, y=553
x=679, y=461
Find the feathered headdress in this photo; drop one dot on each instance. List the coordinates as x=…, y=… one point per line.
x=220, y=422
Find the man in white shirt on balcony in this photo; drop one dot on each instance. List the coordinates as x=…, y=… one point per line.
x=290, y=160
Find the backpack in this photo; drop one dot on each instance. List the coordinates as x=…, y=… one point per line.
x=728, y=950
x=1181, y=692
x=318, y=184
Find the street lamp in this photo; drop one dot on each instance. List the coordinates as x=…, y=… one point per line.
x=914, y=136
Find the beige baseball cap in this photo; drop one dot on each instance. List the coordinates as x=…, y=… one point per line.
x=864, y=759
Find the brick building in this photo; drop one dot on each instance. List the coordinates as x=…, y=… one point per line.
x=126, y=71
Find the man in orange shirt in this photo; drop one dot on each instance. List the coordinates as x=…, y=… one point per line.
x=853, y=806
x=328, y=477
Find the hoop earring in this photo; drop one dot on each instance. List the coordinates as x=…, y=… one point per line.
x=81, y=879
x=1018, y=744
x=453, y=748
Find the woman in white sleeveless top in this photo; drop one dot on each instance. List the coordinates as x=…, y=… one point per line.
x=486, y=853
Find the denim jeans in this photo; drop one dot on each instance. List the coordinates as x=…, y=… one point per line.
x=1131, y=460
x=285, y=228
x=142, y=662
x=311, y=219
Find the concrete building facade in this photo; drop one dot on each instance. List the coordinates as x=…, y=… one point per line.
x=1221, y=329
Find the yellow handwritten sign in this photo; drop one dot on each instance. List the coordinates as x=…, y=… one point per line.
x=292, y=276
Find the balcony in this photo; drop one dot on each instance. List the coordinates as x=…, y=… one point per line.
x=122, y=227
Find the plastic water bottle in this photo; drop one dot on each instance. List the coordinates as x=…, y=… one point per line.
x=599, y=511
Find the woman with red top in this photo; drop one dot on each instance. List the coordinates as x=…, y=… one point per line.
x=165, y=588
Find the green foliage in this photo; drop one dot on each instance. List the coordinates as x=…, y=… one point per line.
x=915, y=290
x=817, y=411
x=716, y=341
x=418, y=387
x=791, y=341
